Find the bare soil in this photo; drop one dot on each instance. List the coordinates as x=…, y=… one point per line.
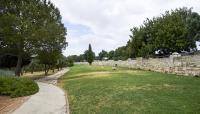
x=8, y=104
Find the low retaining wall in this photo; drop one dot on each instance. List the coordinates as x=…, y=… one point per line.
x=181, y=65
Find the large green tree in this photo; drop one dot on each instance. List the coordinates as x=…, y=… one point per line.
x=28, y=27
x=175, y=31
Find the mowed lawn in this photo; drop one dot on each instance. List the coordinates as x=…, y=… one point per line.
x=100, y=90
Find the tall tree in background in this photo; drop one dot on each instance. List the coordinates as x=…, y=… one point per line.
x=89, y=55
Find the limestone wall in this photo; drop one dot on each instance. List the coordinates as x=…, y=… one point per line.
x=183, y=65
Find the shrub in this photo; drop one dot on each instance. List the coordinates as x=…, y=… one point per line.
x=17, y=87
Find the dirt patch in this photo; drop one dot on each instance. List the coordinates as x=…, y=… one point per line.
x=90, y=75
x=135, y=72
x=104, y=74
x=94, y=73
x=101, y=74
x=8, y=105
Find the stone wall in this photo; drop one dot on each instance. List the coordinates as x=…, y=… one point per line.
x=182, y=65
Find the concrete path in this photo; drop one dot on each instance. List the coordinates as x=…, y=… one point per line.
x=52, y=79
x=49, y=100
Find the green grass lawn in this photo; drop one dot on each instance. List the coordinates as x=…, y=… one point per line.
x=99, y=90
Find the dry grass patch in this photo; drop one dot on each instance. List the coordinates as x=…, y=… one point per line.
x=105, y=74
x=134, y=72
x=149, y=87
x=91, y=75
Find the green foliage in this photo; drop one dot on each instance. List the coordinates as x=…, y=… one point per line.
x=46, y=61
x=121, y=53
x=77, y=58
x=174, y=31
x=34, y=66
x=51, y=59
x=61, y=61
x=89, y=55
x=30, y=27
x=111, y=54
x=103, y=54
x=100, y=90
x=17, y=87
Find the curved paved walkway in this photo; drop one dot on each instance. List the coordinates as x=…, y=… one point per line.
x=49, y=100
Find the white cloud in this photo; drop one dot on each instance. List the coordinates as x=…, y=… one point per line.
x=109, y=21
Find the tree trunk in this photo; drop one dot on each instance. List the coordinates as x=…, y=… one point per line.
x=46, y=69
x=58, y=68
x=46, y=73
x=19, y=65
x=61, y=67
x=22, y=72
x=32, y=70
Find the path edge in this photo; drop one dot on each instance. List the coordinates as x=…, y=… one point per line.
x=66, y=94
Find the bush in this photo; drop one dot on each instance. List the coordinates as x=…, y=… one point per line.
x=17, y=87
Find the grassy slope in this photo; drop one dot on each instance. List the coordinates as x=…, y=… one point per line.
x=129, y=91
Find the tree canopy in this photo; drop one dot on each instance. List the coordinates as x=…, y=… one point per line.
x=175, y=31
x=30, y=27
x=103, y=54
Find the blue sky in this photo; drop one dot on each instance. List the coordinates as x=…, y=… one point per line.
x=77, y=29
x=106, y=23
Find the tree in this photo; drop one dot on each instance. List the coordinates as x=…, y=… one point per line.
x=27, y=26
x=103, y=54
x=121, y=53
x=111, y=54
x=48, y=59
x=61, y=61
x=33, y=65
x=175, y=31
x=89, y=55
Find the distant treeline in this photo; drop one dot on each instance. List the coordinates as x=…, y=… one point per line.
x=174, y=31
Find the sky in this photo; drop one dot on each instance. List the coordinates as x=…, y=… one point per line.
x=106, y=24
